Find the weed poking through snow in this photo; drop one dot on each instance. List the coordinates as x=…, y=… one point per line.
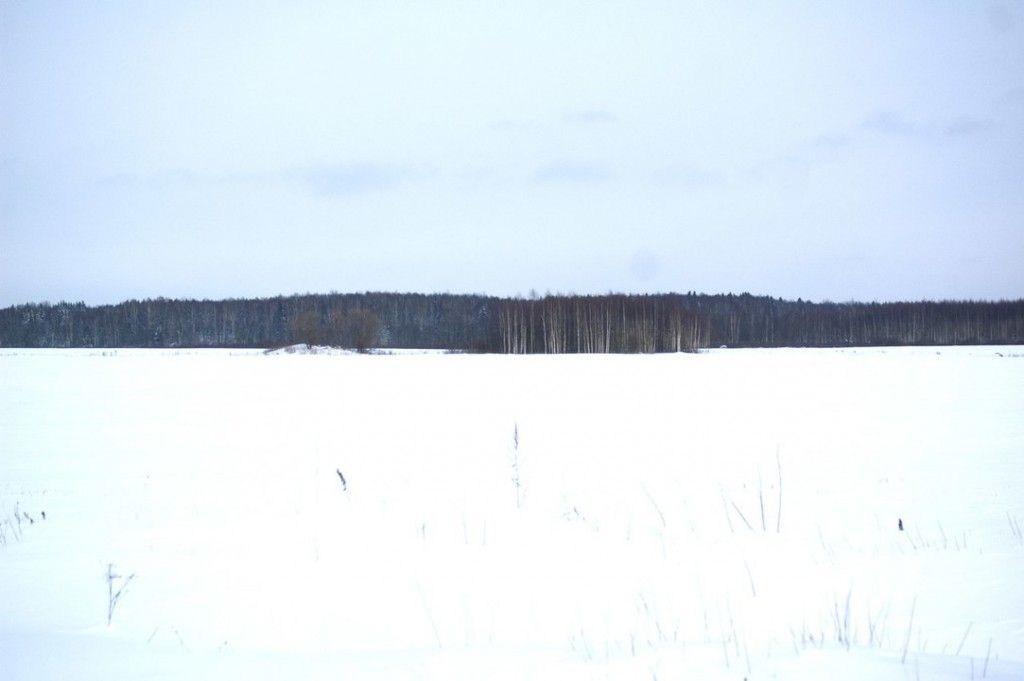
x=114, y=596
x=515, y=465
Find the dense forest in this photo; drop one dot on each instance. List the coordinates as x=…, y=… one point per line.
x=538, y=324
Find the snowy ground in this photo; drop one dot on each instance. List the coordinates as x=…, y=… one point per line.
x=647, y=537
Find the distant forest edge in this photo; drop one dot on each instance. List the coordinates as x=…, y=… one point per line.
x=477, y=323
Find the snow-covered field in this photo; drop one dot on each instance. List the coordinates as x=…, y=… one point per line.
x=731, y=514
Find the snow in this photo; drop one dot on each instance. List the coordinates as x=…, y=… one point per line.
x=634, y=546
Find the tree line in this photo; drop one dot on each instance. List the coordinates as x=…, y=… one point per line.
x=609, y=323
x=535, y=324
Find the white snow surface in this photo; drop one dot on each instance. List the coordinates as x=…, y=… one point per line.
x=647, y=537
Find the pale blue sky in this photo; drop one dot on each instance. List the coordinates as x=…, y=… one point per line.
x=803, y=149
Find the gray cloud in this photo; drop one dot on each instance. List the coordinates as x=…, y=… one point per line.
x=888, y=123
x=513, y=125
x=685, y=176
x=644, y=265
x=590, y=116
x=325, y=180
x=1000, y=18
x=183, y=177
x=568, y=171
x=1011, y=103
x=966, y=126
x=826, y=141
x=352, y=179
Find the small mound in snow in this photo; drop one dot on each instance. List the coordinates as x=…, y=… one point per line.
x=303, y=349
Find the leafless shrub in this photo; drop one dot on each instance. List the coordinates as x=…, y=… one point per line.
x=307, y=328
x=114, y=596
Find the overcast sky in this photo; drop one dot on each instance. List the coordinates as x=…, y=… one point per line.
x=823, y=150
